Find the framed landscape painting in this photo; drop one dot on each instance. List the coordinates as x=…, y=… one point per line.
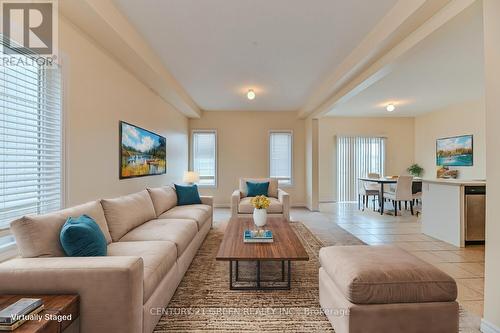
x=455, y=151
x=142, y=153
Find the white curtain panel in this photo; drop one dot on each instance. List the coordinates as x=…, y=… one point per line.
x=356, y=157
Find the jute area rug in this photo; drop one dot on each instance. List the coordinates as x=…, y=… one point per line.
x=204, y=303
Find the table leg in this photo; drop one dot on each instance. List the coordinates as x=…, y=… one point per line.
x=289, y=274
x=381, y=198
x=233, y=285
x=258, y=273
x=230, y=275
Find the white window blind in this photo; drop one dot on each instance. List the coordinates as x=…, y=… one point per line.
x=204, y=161
x=356, y=157
x=30, y=143
x=280, y=156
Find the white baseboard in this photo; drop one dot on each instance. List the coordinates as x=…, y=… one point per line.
x=487, y=327
x=222, y=205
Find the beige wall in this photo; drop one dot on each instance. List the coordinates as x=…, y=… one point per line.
x=491, y=321
x=466, y=118
x=400, y=146
x=243, y=149
x=98, y=93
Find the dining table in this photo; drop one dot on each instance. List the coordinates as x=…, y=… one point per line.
x=417, y=184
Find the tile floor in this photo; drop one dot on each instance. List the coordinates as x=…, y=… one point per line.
x=466, y=265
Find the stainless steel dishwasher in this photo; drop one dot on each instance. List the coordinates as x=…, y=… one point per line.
x=475, y=213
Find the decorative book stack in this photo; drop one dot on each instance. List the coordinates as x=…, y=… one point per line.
x=19, y=312
x=257, y=236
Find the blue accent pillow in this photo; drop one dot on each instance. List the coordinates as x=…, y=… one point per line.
x=187, y=195
x=255, y=189
x=82, y=237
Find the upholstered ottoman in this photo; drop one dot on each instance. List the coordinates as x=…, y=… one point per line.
x=383, y=289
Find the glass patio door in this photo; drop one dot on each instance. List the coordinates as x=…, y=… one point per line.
x=356, y=157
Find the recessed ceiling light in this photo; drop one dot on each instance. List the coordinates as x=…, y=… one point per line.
x=251, y=94
x=390, y=107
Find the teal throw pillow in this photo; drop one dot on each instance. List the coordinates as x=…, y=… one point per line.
x=82, y=237
x=187, y=195
x=255, y=189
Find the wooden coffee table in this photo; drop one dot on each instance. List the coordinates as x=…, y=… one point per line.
x=285, y=248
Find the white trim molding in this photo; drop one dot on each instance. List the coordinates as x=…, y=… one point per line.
x=191, y=154
x=287, y=132
x=487, y=327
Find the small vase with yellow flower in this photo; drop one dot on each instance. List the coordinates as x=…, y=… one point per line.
x=260, y=204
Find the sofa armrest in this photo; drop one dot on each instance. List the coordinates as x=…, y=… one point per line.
x=110, y=288
x=235, y=202
x=209, y=200
x=284, y=199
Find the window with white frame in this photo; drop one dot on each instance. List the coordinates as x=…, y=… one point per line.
x=280, y=156
x=204, y=156
x=30, y=143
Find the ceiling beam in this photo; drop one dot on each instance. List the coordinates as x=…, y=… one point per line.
x=400, y=22
x=106, y=25
x=385, y=64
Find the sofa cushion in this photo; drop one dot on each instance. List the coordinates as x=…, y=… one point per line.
x=385, y=274
x=187, y=195
x=255, y=189
x=81, y=237
x=163, y=198
x=158, y=257
x=246, y=207
x=180, y=232
x=272, y=190
x=38, y=235
x=127, y=212
x=199, y=213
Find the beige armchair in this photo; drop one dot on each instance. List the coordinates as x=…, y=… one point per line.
x=280, y=200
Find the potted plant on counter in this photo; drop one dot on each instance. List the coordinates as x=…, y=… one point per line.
x=415, y=170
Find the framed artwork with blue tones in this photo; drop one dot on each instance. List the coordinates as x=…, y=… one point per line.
x=142, y=153
x=455, y=151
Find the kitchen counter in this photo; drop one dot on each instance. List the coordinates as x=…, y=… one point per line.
x=444, y=208
x=456, y=182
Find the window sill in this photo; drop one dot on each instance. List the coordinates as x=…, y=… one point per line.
x=207, y=186
x=8, y=252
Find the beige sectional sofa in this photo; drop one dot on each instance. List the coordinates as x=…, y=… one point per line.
x=151, y=243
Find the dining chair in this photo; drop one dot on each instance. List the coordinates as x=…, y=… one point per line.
x=401, y=193
x=417, y=197
x=417, y=193
x=367, y=189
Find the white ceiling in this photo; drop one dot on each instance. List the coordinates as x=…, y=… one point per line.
x=444, y=69
x=283, y=49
